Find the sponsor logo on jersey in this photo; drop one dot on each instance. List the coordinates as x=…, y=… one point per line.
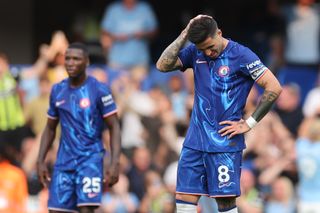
x=84, y=103
x=253, y=64
x=256, y=69
x=58, y=103
x=107, y=100
x=223, y=71
x=198, y=61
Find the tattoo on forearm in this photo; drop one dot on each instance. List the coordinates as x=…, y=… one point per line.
x=169, y=56
x=267, y=100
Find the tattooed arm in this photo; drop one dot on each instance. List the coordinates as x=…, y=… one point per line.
x=168, y=60
x=272, y=90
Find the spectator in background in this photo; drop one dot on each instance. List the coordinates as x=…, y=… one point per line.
x=50, y=63
x=141, y=163
x=170, y=177
x=56, y=71
x=13, y=185
x=51, y=60
x=12, y=122
x=36, y=109
x=274, y=25
x=288, y=107
x=157, y=198
x=276, y=53
x=311, y=106
x=178, y=96
x=134, y=104
x=302, y=47
x=282, y=197
x=127, y=28
x=119, y=199
x=308, y=162
x=250, y=201
x=100, y=74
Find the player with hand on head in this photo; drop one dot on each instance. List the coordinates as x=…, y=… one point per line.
x=83, y=106
x=224, y=72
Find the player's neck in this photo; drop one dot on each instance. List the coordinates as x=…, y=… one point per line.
x=78, y=80
x=225, y=43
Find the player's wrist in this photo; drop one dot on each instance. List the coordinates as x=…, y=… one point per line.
x=251, y=122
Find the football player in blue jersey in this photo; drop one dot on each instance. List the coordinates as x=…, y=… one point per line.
x=83, y=106
x=224, y=72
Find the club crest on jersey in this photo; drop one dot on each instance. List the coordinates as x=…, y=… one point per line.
x=223, y=71
x=84, y=103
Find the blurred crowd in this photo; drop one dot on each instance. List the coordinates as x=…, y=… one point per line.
x=281, y=164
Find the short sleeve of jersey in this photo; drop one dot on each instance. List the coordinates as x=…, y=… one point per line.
x=186, y=57
x=251, y=65
x=52, y=111
x=105, y=101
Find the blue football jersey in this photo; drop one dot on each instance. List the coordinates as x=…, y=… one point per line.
x=81, y=111
x=221, y=89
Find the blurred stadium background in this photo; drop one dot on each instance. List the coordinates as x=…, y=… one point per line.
x=281, y=164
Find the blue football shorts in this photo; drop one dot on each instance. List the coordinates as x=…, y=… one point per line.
x=211, y=174
x=70, y=189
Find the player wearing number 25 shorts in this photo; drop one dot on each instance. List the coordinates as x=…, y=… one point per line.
x=84, y=107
